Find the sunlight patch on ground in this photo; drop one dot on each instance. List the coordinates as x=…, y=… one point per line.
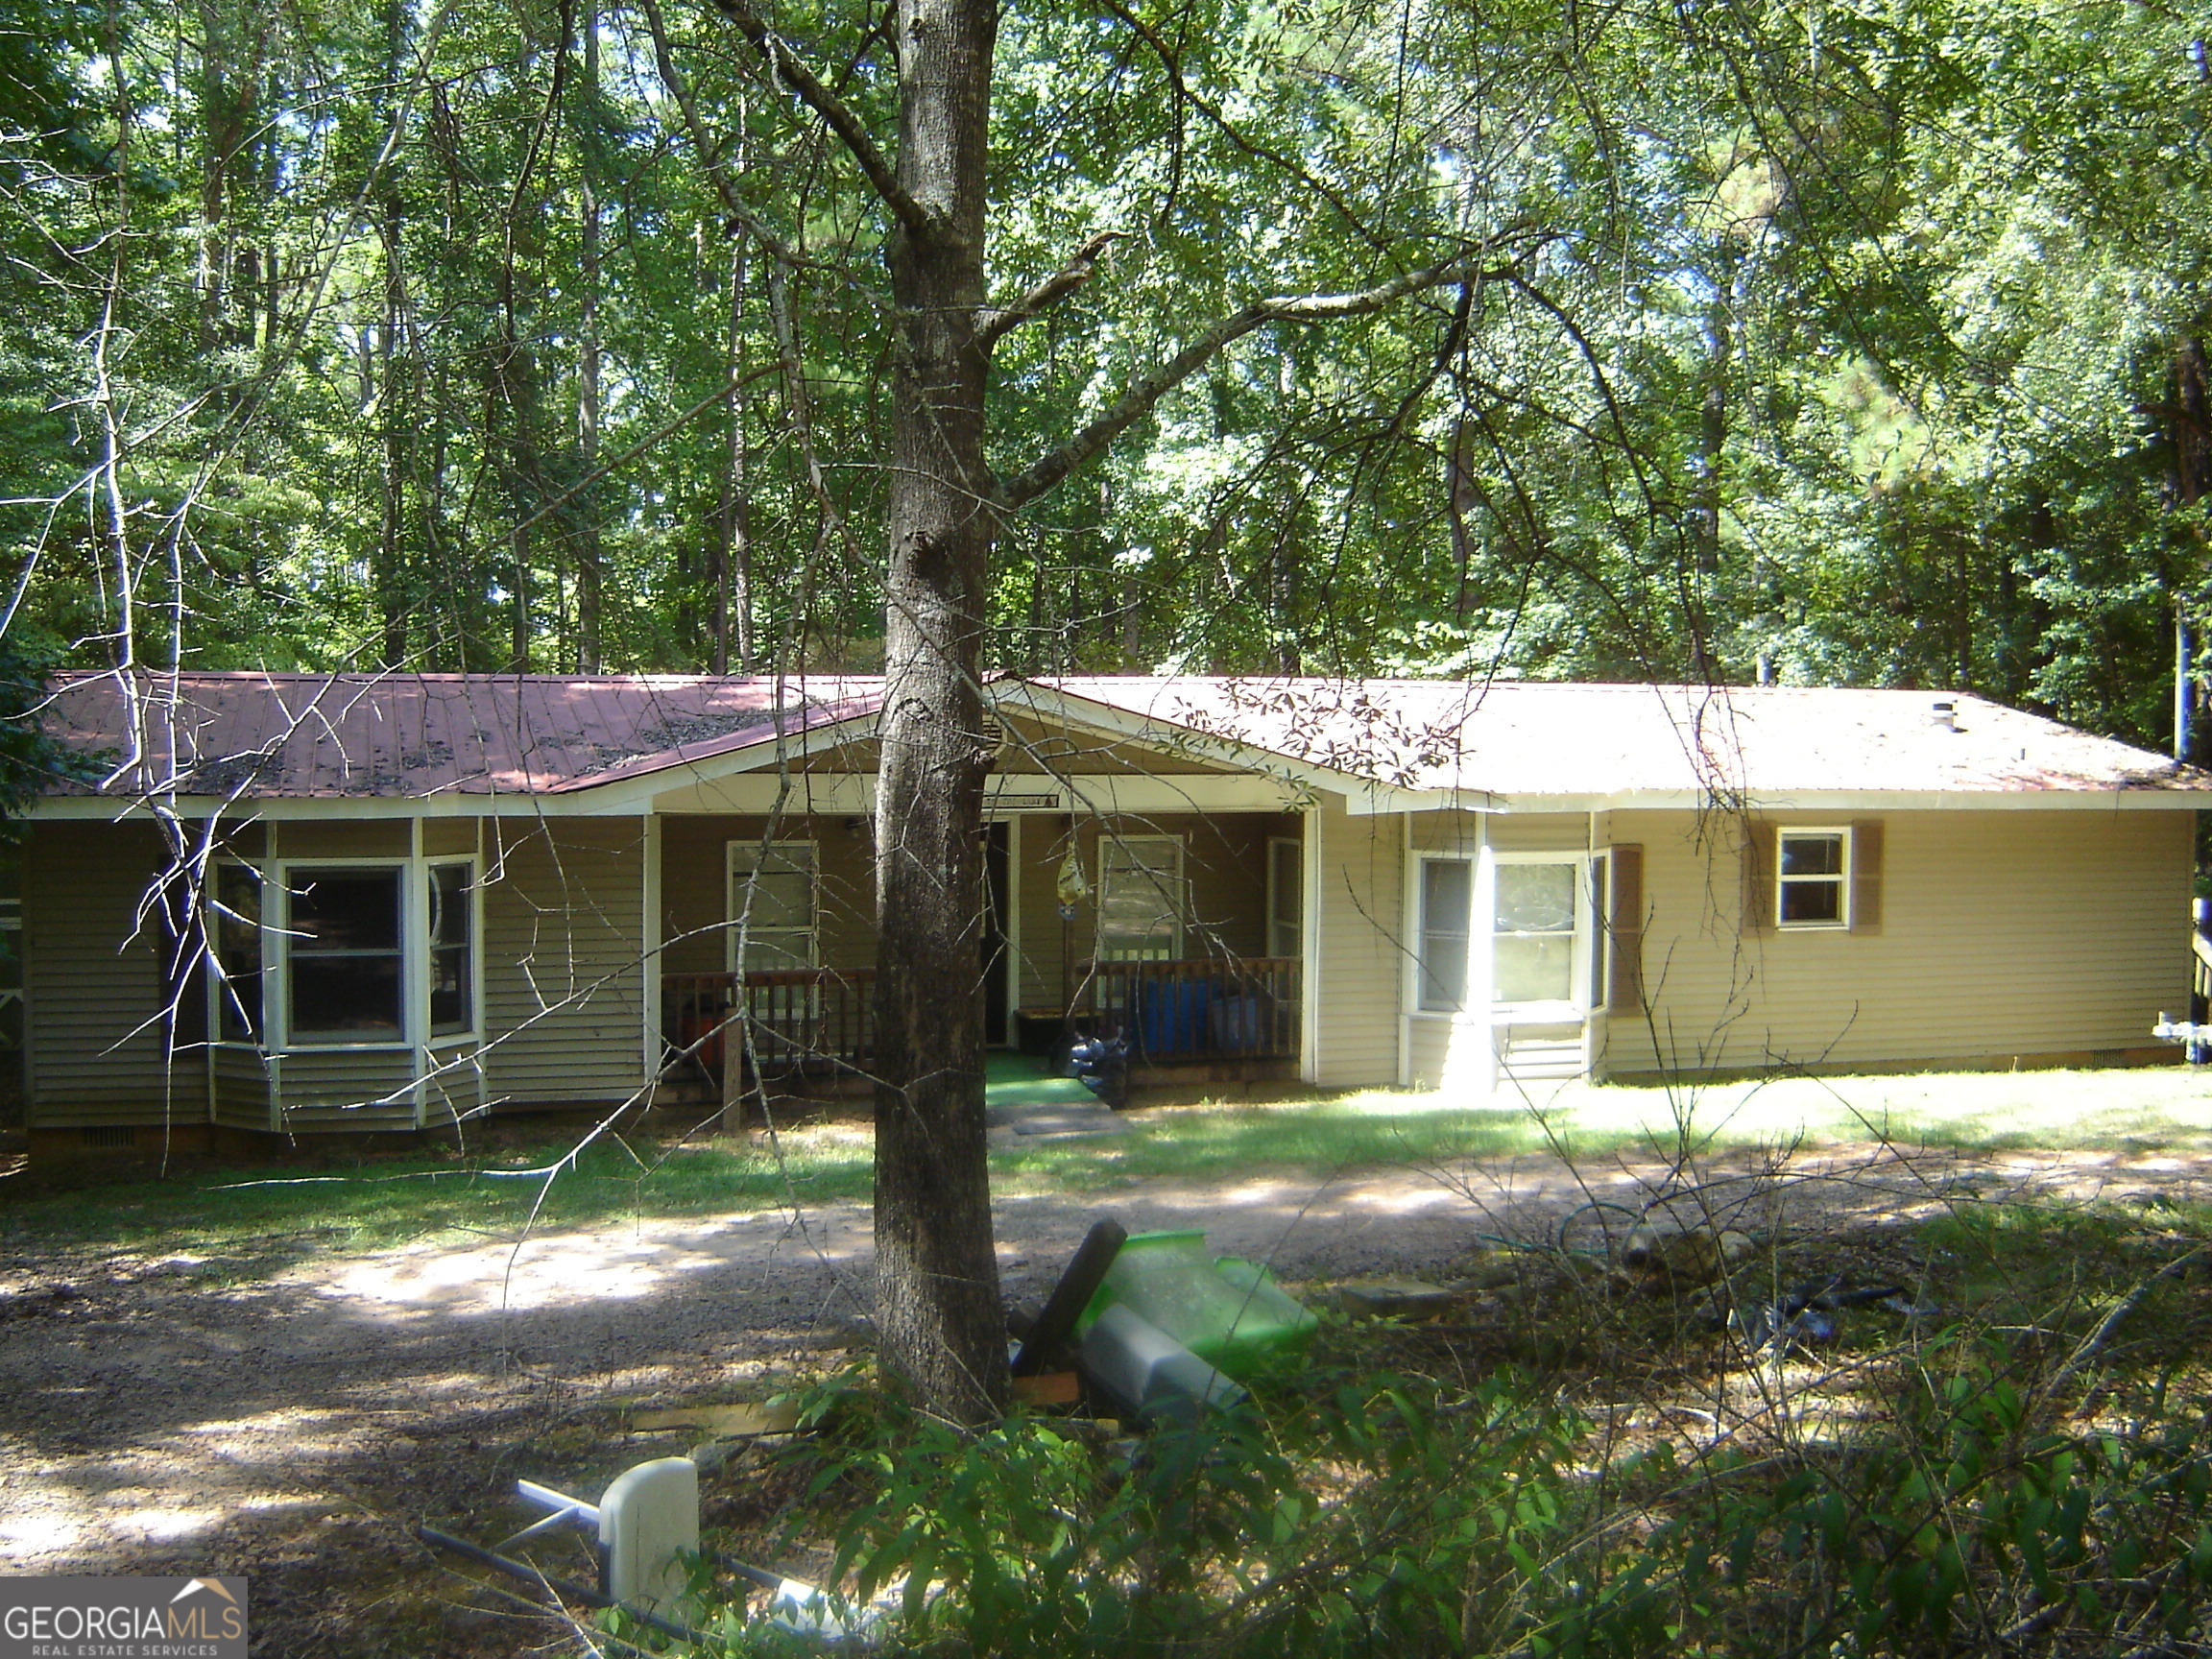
x=2042, y=1108
x=557, y=1270
x=38, y=1525
x=159, y=1524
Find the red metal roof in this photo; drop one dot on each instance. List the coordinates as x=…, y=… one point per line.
x=415, y=735
x=251, y=735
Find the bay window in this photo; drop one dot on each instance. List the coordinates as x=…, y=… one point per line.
x=343, y=933
x=366, y=953
x=1539, y=934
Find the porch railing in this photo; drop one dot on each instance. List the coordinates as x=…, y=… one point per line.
x=821, y=1020
x=1208, y=1008
x=778, y=1020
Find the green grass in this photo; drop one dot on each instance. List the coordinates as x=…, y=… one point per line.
x=257, y=1217
x=270, y=1214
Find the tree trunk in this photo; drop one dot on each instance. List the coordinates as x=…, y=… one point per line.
x=589, y=653
x=940, y=1327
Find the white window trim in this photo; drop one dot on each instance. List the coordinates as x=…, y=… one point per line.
x=1841, y=880
x=1420, y=930
x=419, y=971
x=1575, y=1006
x=1276, y=846
x=748, y=853
x=1177, y=898
x=414, y=955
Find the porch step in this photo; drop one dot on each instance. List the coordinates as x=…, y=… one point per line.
x=1541, y=1057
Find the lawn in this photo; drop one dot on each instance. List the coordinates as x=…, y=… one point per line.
x=500, y=1184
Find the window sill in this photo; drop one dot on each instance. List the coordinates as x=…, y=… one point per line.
x=1812, y=926
x=1538, y=1014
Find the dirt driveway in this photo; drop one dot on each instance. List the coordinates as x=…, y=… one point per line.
x=156, y=1415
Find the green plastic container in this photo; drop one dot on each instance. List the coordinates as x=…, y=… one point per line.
x=1229, y=1312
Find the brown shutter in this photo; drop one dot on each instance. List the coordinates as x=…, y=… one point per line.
x=1866, y=876
x=1624, y=933
x=1758, y=876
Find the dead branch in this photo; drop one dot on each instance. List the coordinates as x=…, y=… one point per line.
x=997, y=325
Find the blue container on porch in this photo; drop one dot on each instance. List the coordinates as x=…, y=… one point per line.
x=1173, y=1021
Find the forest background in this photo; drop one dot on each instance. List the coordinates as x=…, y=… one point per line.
x=1828, y=343
x=1710, y=343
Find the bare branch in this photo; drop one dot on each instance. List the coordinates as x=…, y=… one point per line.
x=742, y=217
x=997, y=325
x=833, y=111
x=1137, y=402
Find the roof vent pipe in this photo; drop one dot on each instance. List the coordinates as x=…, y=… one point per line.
x=1945, y=713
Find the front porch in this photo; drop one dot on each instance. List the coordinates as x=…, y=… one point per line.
x=801, y=1029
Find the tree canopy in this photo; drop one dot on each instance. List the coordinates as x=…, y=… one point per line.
x=1828, y=343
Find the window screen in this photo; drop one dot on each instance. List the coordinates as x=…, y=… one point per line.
x=452, y=950
x=772, y=905
x=1141, y=898
x=1446, y=897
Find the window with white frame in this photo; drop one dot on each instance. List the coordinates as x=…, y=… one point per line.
x=773, y=907
x=1141, y=898
x=1812, y=879
x=370, y=953
x=1536, y=931
x=452, y=948
x=1540, y=942
x=1447, y=904
x=345, y=937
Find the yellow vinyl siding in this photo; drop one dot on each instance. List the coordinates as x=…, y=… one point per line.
x=341, y=1089
x=96, y=996
x=1362, y=965
x=1539, y=831
x=1429, y=1046
x=452, y=1083
x=1037, y=750
x=448, y=837
x=242, y=1099
x=2005, y=934
x=1035, y=878
x=564, y=926
x=341, y=838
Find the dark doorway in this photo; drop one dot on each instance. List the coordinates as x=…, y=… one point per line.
x=995, y=908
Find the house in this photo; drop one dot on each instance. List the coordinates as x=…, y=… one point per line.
x=313, y=902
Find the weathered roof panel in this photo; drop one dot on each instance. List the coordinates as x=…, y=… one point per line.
x=416, y=735
x=1531, y=738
